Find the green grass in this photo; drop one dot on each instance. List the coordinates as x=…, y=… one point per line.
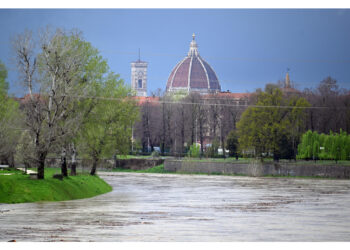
x=267, y=160
x=156, y=169
x=18, y=188
x=160, y=170
x=323, y=162
x=228, y=159
x=123, y=157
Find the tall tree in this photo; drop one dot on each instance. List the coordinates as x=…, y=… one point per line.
x=9, y=121
x=107, y=128
x=60, y=66
x=264, y=128
x=332, y=104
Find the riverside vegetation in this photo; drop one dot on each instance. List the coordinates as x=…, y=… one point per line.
x=18, y=187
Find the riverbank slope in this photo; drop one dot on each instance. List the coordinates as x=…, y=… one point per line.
x=19, y=188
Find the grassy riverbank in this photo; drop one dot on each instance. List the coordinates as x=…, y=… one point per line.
x=157, y=169
x=18, y=188
x=269, y=160
x=241, y=160
x=160, y=170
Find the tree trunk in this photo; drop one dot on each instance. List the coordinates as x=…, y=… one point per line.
x=116, y=163
x=94, y=166
x=64, y=170
x=74, y=162
x=73, y=171
x=201, y=139
x=41, y=165
x=222, y=138
x=163, y=130
x=12, y=160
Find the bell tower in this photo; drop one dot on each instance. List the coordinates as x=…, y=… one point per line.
x=139, y=77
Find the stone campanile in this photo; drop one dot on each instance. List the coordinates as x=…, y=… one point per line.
x=139, y=77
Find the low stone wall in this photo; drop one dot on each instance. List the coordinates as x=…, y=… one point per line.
x=258, y=169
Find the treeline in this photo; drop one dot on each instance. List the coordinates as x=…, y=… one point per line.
x=175, y=122
x=331, y=110
x=74, y=104
x=332, y=146
x=265, y=123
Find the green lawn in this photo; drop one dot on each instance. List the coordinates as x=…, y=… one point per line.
x=228, y=159
x=122, y=157
x=160, y=170
x=18, y=188
x=267, y=160
x=156, y=169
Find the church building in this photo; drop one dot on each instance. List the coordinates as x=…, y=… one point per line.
x=191, y=75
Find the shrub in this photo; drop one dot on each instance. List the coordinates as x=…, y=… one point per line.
x=325, y=147
x=195, y=151
x=155, y=154
x=212, y=151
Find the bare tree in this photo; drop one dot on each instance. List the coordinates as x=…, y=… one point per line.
x=59, y=65
x=332, y=107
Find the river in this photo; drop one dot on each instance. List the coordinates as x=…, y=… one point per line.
x=172, y=207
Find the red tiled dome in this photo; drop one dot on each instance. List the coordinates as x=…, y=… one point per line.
x=193, y=74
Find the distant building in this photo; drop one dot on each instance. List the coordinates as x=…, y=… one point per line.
x=287, y=88
x=193, y=74
x=139, y=77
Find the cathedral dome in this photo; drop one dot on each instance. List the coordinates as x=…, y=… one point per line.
x=193, y=74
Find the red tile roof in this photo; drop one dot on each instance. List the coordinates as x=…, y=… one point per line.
x=142, y=100
x=228, y=95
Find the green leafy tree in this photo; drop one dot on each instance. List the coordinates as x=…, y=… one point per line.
x=328, y=147
x=9, y=121
x=212, y=151
x=61, y=70
x=347, y=143
x=232, y=143
x=3, y=83
x=309, y=148
x=263, y=128
x=315, y=150
x=194, y=151
x=334, y=146
x=107, y=129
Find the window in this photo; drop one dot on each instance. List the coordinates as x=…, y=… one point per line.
x=140, y=84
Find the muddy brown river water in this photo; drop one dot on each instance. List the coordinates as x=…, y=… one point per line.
x=156, y=207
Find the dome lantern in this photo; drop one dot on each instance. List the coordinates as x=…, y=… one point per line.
x=193, y=47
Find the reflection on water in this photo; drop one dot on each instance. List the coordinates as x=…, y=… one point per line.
x=155, y=207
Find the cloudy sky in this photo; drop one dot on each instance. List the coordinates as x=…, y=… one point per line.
x=246, y=47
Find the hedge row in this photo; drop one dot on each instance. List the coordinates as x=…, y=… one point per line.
x=315, y=146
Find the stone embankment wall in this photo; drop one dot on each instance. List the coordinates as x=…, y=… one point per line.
x=258, y=169
x=108, y=164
